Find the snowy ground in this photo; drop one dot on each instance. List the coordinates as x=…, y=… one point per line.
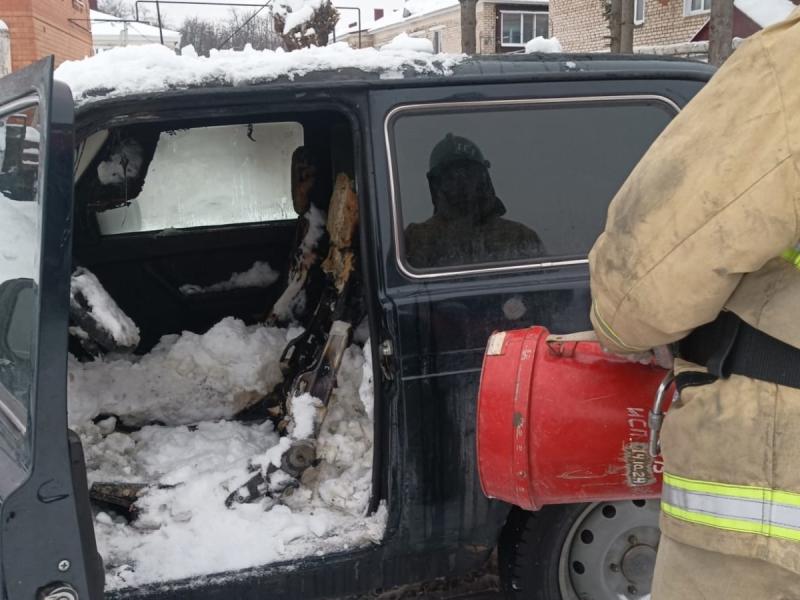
x=19, y=234
x=194, y=459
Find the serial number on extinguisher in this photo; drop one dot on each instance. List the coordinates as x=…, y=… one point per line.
x=640, y=467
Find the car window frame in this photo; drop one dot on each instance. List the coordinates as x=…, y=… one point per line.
x=398, y=234
x=178, y=229
x=12, y=409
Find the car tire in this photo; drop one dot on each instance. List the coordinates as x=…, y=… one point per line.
x=549, y=554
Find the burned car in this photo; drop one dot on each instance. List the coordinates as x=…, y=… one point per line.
x=242, y=318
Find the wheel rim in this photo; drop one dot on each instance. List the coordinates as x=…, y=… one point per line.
x=610, y=551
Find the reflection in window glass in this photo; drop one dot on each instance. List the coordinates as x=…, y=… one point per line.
x=206, y=176
x=482, y=186
x=542, y=26
x=517, y=27
x=19, y=262
x=512, y=28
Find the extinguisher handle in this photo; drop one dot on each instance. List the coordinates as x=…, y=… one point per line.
x=656, y=416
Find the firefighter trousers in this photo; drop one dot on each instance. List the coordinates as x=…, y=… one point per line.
x=684, y=572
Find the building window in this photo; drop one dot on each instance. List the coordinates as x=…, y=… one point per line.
x=638, y=12
x=696, y=7
x=517, y=27
x=437, y=42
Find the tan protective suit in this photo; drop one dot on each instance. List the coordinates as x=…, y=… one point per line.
x=699, y=227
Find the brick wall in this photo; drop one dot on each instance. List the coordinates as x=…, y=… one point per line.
x=664, y=23
x=39, y=28
x=580, y=27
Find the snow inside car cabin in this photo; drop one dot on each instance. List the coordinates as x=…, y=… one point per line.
x=165, y=419
x=162, y=419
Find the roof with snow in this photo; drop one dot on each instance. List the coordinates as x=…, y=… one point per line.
x=416, y=9
x=134, y=72
x=765, y=12
x=108, y=30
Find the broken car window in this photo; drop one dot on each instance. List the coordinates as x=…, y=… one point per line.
x=203, y=177
x=496, y=183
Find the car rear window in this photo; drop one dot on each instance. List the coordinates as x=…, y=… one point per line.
x=203, y=177
x=494, y=183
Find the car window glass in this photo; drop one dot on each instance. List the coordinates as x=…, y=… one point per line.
x=513, y=184
x=20, y=225
x=205, y=176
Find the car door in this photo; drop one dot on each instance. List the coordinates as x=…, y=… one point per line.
x=47, y=545
x=505, y=250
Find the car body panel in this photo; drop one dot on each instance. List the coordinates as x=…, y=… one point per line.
x=428, y=335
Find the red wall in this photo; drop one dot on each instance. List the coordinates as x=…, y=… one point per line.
x=39, y=28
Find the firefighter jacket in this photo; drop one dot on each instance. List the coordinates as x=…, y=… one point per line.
x=709, y=221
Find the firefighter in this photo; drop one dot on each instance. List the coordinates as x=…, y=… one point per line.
x=466, y=226
x=701, y=248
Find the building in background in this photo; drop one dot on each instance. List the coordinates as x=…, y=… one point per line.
x=580, y=25
x=39, y=28
x=109, y=32
x=502, y=26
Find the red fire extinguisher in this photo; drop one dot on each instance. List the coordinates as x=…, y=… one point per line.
x=561, y=421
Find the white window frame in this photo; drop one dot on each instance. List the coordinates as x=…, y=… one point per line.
x=520, y=13
x=688, y=12
x=638, y=19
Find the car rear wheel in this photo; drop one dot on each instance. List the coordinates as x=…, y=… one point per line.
x=601, y=551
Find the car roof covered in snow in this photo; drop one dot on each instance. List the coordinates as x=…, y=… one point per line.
x=153, y=71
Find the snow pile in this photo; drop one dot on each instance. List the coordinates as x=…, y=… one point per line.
x=184, y=379
x=406, y=42
x=296, y=12
x=366, y=390
x=304, y=415
x=19, y=235
x=317, y=220
x=169, y=455
x=765, y=12
x=84, y=285
x=154, y=68
x=184, y=530
x=542, y=44
x=260, y=275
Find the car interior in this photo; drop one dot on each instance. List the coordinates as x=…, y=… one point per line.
x=186, y=225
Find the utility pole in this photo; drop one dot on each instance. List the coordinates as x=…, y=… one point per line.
x=720, y=34
x=160, y=28
x=626, y=27
x=468, y=24
x=615, y=24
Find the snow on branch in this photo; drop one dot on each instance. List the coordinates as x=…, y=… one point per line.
x=304, y=23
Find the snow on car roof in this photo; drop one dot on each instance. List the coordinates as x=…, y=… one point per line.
x=153, y=68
